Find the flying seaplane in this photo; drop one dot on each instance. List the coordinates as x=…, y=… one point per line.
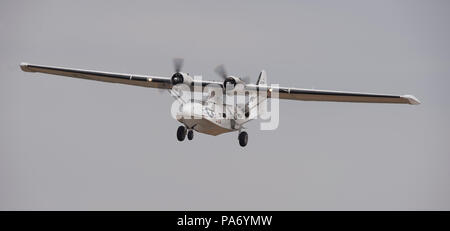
x=213, y=112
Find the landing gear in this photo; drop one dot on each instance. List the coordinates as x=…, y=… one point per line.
x=243, y=138
x=190, y=135
x=181, y=133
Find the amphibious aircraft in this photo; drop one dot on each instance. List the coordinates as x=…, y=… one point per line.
x=212, y=113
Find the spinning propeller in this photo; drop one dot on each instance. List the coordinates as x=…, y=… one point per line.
x=178, y=64
x=222, y=72
x=177, y=77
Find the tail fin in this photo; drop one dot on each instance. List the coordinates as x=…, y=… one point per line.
x=262, y=79
x=256, y=105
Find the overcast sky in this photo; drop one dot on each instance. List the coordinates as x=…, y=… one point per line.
x=70, y=144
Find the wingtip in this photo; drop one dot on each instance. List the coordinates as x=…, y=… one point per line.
x=411, y=99
x=24, y=67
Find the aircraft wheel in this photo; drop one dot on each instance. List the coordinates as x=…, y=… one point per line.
x=243, y=138
x=181, y=133
x=190, y=135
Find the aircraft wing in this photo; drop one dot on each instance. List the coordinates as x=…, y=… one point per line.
x=340, y=96
x=130, y=79
x=165, y=83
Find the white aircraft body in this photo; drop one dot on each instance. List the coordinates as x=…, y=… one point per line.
x=212, y=113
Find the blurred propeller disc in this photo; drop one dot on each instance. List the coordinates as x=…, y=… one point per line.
x=178, y=64
x=220, y=70
x=246, y=79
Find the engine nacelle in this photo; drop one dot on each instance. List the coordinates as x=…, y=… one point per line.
x=179, y=78
x=230, y=82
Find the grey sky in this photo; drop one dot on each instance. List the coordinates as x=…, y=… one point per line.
x=82, y=145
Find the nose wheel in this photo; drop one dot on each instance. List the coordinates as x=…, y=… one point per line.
x=243, y=139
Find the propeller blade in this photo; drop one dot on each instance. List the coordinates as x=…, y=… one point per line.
x=220, y=70
x=178, y=64
x=246, y=79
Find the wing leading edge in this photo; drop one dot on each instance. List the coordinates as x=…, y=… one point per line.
x=130, y=79
x=341, y=96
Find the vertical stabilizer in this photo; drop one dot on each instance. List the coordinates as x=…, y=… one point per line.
x=262, y=79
